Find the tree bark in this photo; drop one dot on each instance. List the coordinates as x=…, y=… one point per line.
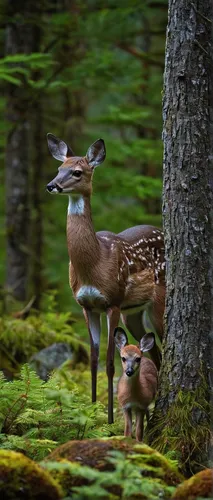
x=37, y=189
x=19, y=39
x=181, y=419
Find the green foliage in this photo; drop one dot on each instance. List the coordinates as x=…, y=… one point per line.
x=18, y=68
x=35, y=416
x=94, y=76
x=123, y=482
x=20, y=339
x=139, y=471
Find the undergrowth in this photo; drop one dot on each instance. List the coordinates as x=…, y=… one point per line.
x=20, y=339
x=123, y=482
x=36, y=416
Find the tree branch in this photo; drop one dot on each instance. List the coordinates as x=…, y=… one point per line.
x=139, y=54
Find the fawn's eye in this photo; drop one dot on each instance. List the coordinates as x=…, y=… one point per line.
x=77, y=173
x=137, y=360
x=123, y=359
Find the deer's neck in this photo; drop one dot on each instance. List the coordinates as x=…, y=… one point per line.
x=83, y=245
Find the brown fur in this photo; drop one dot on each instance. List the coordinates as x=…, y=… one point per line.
x=123, y=270
x=102, y=259
x=137, y=392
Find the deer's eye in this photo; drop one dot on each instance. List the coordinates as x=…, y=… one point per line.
x=137, y=360
x=77, y=173
x=123, y=359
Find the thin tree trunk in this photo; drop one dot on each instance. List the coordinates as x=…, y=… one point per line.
x=181, y=419
x=37, y=136
x=37, y=177
x=19, y=39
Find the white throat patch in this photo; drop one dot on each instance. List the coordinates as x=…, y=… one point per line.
x=76, y=205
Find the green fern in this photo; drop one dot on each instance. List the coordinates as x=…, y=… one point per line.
x=35, y=416
x=123, y=482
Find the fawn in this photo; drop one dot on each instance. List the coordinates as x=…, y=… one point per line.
x=118, y=274
x=138, y=384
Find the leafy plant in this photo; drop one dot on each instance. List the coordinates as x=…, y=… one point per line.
x=14, y=68
x=36, y=416
x=125, y=480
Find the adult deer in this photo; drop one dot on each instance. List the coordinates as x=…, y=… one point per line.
x=113, y=273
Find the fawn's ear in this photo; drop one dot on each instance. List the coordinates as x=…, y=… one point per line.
x=58, y=148
x=147, y=342
x=96, y=153
x=120, y=338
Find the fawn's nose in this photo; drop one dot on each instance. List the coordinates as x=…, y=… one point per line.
x=129, y=372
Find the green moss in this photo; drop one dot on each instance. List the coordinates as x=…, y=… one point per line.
x=199, y=485
x=20, y=339
x=153, y=460
x=91, y=452
x=183, y=429
x=21, y=478
x=118, y=465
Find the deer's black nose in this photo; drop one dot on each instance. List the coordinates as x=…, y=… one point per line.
x=129, y=373
x=50, y=187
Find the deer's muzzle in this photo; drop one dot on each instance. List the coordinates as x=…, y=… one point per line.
x=54, y=187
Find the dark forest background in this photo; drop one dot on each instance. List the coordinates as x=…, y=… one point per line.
x=81, y=70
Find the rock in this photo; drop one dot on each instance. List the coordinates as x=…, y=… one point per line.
x=198, y=486
x=157, y=475
x=53, y=356
x=23, y=479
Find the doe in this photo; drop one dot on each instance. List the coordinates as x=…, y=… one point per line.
x=119, y=274
x=138, y=384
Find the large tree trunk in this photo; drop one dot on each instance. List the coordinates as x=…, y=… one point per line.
x=19, y=39
x=181, y=417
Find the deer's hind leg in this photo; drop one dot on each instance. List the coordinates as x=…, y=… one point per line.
x=134, y=323
x=155, y=310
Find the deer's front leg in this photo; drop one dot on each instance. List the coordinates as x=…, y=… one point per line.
x=128, y=422
x=113, y=316
x=93, y=321
x=139, y=424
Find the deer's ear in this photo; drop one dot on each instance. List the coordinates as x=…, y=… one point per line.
x=58, y=148
x=147, y=342
x=96, y=153
x=120, y=338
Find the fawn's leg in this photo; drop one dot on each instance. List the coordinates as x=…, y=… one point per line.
x=93, y=322
x=128, y=422
x=139, y=424
x=113, y=316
